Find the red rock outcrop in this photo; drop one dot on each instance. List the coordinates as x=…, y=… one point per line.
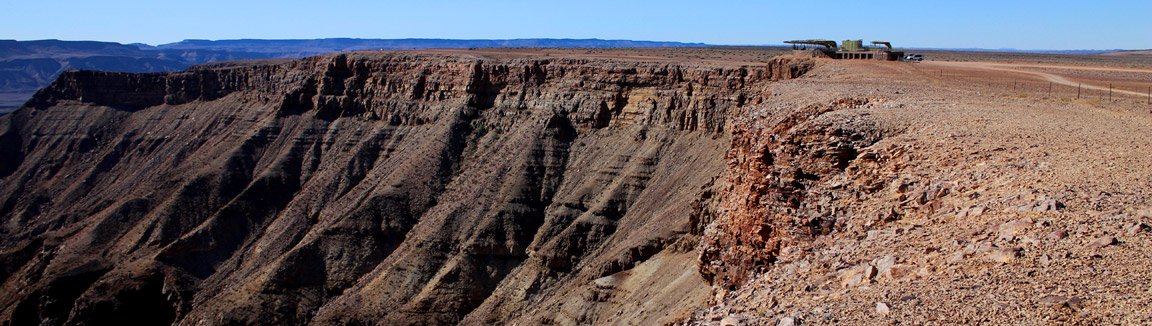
x=774, y=160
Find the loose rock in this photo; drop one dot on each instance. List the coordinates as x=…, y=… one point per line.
x=1001, y=255
x=1137, y=228
x=1061, y=301
x=1010, y=229
x=902, y=271
x=858, y=275
x=730, y=321
x=1101, y=242
x=882, y=309
x=883, y=265
x=956, y=257
x=1045, y=260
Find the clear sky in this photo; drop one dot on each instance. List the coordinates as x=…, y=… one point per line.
x=1056, y=24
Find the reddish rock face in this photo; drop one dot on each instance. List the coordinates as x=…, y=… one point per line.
x=385, y=188
x=773, y=161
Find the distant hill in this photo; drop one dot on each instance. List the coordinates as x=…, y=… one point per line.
x=26, y=66
x=305, y=47
x=1131, y=52
x=1011, y=50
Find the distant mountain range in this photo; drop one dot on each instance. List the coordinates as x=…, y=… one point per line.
x=303, y=48
x=1130, y=52
x=26, y=66
x=1012, y=50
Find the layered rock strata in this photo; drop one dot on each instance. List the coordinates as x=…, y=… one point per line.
x=367, y=188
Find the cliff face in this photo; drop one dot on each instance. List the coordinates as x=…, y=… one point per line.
x=781, y=186
x=368, y=188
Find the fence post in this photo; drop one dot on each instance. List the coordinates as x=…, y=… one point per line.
x=1077, y=91
x=1109, y=92
x=1049, y=89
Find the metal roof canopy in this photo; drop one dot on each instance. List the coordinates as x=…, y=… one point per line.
x=885, y=44
x=826, y=43
x=832, y=44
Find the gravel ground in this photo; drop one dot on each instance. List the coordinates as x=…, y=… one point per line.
x=1012, y=210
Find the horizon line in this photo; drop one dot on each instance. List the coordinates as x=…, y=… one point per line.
x=695, y=44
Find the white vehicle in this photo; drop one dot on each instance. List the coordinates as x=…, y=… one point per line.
x=914, y=57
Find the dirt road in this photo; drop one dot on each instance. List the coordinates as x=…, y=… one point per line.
x=1016, y=69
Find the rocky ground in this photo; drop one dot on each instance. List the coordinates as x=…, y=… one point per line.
x=972, y=207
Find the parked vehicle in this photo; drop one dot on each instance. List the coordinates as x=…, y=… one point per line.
x=914, y=57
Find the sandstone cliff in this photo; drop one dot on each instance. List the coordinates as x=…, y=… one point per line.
x=376, y=188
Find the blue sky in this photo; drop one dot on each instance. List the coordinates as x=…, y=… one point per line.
x=952, y=24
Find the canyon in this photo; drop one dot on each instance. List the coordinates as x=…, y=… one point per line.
x=26, y=66
x=399, y=188
x=563, y=187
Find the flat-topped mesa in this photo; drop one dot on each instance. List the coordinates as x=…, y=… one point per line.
x=413, y=89
x=133, y=91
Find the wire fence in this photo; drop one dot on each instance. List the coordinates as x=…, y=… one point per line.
x=1026, y=87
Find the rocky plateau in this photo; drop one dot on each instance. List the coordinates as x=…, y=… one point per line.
x=476, y=188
